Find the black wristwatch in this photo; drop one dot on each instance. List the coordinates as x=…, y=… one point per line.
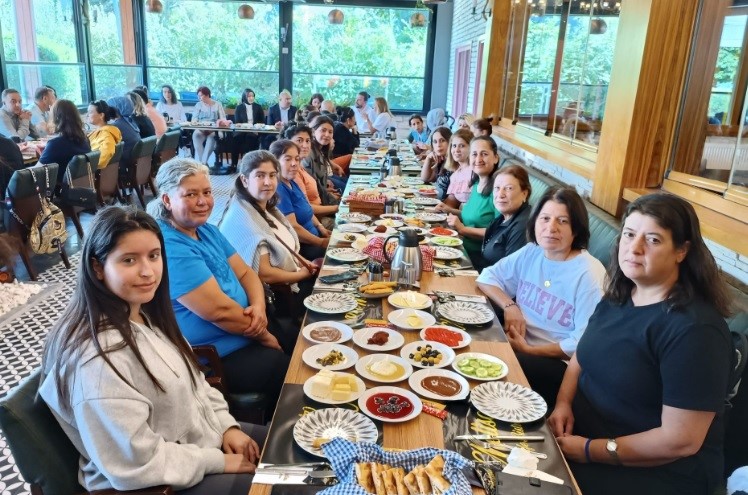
x=612, y=447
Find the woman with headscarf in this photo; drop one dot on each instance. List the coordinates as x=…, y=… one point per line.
x=121, y=117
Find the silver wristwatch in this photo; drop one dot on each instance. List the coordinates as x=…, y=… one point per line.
x=612, y=447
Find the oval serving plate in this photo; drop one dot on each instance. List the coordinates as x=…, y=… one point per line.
x=330, y=302
x=409, y=299
x=346, y=255
x=494, y=368
x=352, y=227
x=354, y=217
x=360, y=389
x=424, y=201
x=364, y=368
x=444, y=241
x=444, y=253
x=431, y=217
x=346, y=237
x=467, y=313
x=508, y=402
x=454, y=337
x=391, y=399
x=394, y=339
x=438, y=383
x=447, y=354
x=411, y=319
x=389, y=222
x=327, y=332
x=310, y=356
x=330, y=423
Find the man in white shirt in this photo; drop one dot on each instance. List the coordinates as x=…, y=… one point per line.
x=44, y=98
x=362, y=107
x=279, y=115
x=15, y=122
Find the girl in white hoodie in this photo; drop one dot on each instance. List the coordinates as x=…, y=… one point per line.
x=125, y=385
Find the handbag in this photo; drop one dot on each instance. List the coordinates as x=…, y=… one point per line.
x=84, y=197
x=47, y=232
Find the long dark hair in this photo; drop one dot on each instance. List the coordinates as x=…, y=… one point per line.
x=68, y=121
x=315, y=124
x=294, y=128
x=580, y=222
x=251, y=161
x=474, y=178
x=698, y=275
x=174, y=98
x=93, y=308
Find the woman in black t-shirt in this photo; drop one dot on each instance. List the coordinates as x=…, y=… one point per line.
x=640, y=407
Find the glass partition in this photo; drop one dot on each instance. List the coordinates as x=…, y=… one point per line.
x=378, y=50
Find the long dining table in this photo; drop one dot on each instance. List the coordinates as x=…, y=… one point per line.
x=424, y=430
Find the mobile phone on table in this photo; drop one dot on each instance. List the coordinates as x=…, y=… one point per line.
x=339, y=277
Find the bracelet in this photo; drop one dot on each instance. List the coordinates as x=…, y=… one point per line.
x=513, y=303
x=587, y=451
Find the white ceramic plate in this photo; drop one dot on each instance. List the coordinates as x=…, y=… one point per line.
x=330, y=302
x=327, y=332
x=444, y=241
x=409, y=299
x=424, y=201
x=310, y=356
x=466, y=338
x=467, y=313
x=330, y=423
x=364, y=365
x=508, y=402
x=401, y=319
x=354, y=217
x=392, y=216
x=395, y=396
x=389, y=222
x=448, y=355
x=346, y=255
x=444, y=253
x=486, y=359
x=437, y=377
x=419, y=231
x=346, y=237
x=361, y=386
x=431, y=217
x=389, y=231
x=352, y=227
x=394, y=341
x=452, y=233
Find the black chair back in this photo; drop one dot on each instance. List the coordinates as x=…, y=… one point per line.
x=44, y=454
x=107, y=178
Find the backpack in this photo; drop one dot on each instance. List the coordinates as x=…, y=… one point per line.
x=47, y=232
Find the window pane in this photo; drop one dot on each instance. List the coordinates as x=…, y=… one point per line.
x=112, y=32
x=536, y=74
x=224, y=85
x=69, y=81
x=375, y=49
x=585, y=74
x=27, y=36
x=115, y=80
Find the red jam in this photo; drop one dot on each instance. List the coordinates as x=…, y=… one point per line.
x=390, y=406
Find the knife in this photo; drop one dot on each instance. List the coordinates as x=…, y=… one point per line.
x=510, y=438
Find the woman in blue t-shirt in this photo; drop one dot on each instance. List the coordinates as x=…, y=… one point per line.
x=218, y=300
x=293, y=203
x=640, y=407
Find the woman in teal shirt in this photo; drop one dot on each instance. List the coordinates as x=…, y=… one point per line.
x=478, y=212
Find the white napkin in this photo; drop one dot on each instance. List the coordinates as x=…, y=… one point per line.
x=277, y=478
x=521, y=463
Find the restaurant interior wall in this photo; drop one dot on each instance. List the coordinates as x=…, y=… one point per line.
x=107, y=46
x=442, y=41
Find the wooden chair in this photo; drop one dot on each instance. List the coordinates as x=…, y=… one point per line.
x=78, y=168
x=45, y=456
x=137, y=172
x=23, y=198
x=107, y=178
x=249, y=407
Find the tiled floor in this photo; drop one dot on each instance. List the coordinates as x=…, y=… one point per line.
x=22, y=340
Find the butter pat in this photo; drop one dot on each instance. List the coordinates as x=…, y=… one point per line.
x=341, y=391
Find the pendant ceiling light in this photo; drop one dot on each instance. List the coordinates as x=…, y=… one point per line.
x=417, y=20
x=246, y=12
x=335, y=17
x=154, y=6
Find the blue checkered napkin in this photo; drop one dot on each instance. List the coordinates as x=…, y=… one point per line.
x=343, y=456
